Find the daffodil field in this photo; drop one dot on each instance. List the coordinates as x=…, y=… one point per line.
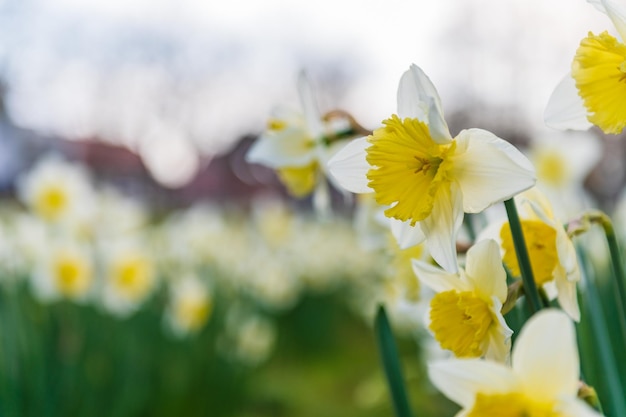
x=401, y=269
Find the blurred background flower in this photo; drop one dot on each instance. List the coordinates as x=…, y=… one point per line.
x=147, y=269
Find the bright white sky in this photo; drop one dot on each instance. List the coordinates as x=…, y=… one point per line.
x=169, y=78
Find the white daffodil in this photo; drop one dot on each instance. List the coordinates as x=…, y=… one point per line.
x=129, y=277
x=298, y=146
x=190, y=305
x=563, y=160
x=464, y=315
x=593, y=92
x=57, y=191
x=427, y=177
x=63, y=271
x=543, y=379
x=552, y=253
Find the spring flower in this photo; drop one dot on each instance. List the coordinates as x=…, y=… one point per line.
x=594, y=91
x=464, y=315
x=298, y=145
x=57, y=191
x=552, y=253
x=129, y=278
x=563, y=160
x=64, y=271
x=190, y=305
x=426, y=177
x=543, y=378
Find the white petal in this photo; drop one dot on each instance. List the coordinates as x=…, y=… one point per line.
x=617, y=13
x=418, y=98
x=573, y=407
x=438, y=279
x=499, y=337
x=489, y=169
x=442, y=226
x=533, y=204
x=289, y=147
x=349, y=167
x=566, y=290
x=461, y=379
x=545, y=356
x=484, y=269
x=405, y=234
x=325, y=154
x=312, y=115
x=565, y=109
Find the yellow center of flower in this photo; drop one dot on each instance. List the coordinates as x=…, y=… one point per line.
x=551, y=168
x=132, y=276
x=300, y=181
x=541, y=245
x=72, y=274
x=51, y=202
x=409, y=167
x=509, y=405
x=276, y=124
x=599, y=69
x=460, y=321
x=192, y=312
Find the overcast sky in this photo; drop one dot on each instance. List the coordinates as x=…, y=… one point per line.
x=171, y=78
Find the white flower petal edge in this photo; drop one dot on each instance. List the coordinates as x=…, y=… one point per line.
x=499, y=341
x=461, y=379
x=405, y=234
x=311, y=113
x=349, y=166
x=442, y=227
x=437, y=279
x=489, y=169
x=577, y=408
x=288, y=147
x=565, y=109
x=615, y=11
x=545, y=356
x=418, y=98
x=484, y=269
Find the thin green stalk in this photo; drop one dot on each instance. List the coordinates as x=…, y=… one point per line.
x=618, y=269
x=391, y=364
x=607, y=360
x=619, y=274
x=530, y=288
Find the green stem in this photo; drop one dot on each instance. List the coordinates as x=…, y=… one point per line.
x=618, y=269
x=602, y=342
x=530, y=288
x=619, y=281
x=391, y=364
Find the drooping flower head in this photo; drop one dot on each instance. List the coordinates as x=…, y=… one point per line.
x=426, y=177
x=542, y=381
x=594, y=91
x=464, y=315
x=552, y=253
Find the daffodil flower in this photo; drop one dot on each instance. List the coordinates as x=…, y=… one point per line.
x=298, y=146
x=552, y=253
x=426, y=177
x=464, y=315
x=563, y=160
x=594, y=91
x=543, y=379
